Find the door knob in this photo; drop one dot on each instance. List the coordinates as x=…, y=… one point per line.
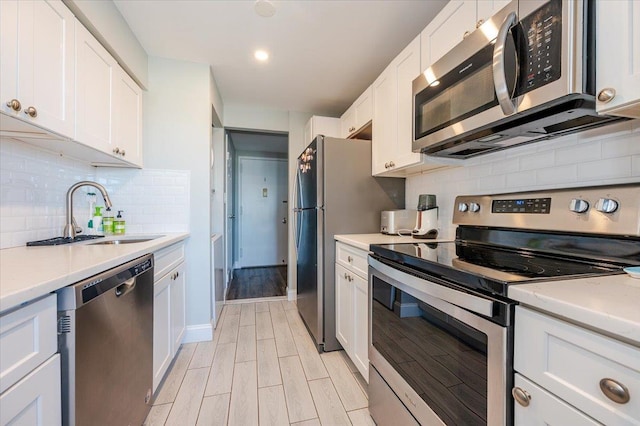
x=284, y=220
x=233, y=216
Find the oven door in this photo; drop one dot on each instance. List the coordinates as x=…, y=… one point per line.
x=437, y=349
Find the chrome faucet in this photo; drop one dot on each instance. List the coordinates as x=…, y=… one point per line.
x=70, y=227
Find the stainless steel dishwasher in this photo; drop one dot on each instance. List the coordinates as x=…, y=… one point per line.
x=105, y=337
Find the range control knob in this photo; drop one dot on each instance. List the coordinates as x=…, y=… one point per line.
x=474, y=207
x=606, y=205
x=578, y=205
x=463, y=207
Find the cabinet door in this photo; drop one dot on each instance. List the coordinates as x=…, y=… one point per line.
x=446, y=30
x=344, y=309
x=361, y=326
x=95, y=69
x=348, y=122
x=127, y=118
x=363, y=107
x=618, y=57
x=407, y=69
x=162, y=344
x=545, y=409
x=487, y=8
x=36, y=399
x=178, y=317
x=385, y=106
x=37, y=62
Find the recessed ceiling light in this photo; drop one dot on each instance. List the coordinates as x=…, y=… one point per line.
x=265, y=8
x=261, y=55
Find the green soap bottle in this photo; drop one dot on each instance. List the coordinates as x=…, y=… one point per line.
x=107, y=222
x=118, y=224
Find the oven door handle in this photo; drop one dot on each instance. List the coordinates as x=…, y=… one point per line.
x=464, y=300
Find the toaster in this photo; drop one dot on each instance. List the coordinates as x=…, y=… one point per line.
x=397, y=221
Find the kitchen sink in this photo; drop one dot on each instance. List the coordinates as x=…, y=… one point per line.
x=131, y=240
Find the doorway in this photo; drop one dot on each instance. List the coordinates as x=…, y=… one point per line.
x=256, y=214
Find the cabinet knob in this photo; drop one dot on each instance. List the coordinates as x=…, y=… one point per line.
x=15, y=105
x=606, y=94
x=465, y=35
x=386, y=165
x=31, y=112
x=349, y=259
x=123, y=153
x=521, y=396
x=351, y=129
x=346, y=276
x=391, y=164
x=615, y=391
x=479, y=23
x=116, y=150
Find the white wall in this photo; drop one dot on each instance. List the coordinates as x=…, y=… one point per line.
x=177, y=135
x=609, y=155
x=255, y=118
x=34, y=183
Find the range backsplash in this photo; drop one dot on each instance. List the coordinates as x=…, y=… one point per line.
x=34, y=183
x=602, y=156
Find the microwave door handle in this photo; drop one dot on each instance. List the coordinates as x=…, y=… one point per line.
x=499, y=75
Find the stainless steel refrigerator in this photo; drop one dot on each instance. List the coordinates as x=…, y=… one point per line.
x=335, y=194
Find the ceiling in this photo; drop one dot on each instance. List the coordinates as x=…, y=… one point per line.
x=323, y=54
x=259, y=142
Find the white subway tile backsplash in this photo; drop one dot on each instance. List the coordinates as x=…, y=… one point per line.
x=34, y=183
x=557, y=175
x=579, y=153
x=537, y=160
x=605, y=169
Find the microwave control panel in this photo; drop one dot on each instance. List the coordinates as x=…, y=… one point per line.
x=541, y=47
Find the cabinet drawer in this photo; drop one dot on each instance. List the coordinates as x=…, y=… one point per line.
x=570, y=361
x=545, y=408
x=28, y=336
x=352, y=258
x=167, y=259
x=34, y=400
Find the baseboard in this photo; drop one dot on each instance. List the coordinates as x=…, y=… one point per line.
x=292, y=294
x=198, y=333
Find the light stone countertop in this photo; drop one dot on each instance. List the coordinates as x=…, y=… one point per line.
x=364, y=241
x=609, y=304
x=27, y=273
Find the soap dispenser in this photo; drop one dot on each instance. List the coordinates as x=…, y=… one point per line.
x=107, y=222
x=97, y=220
x=118, y=224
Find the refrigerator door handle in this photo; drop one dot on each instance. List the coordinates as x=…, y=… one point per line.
x=296, y=211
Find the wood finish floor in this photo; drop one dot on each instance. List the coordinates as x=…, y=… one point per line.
x=251, y=283
x=261, y=368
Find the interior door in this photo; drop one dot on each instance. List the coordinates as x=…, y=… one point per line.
x=262, y=234
x=282, y=197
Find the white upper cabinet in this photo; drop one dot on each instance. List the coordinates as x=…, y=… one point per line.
x=37, y=63
x=358, y=115
x=391, y=149
x=127, y=118
x=95, y=69
x=457, y=19
x=618, y=57
x=317, y=125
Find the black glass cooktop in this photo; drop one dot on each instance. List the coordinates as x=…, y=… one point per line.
x=488, y=268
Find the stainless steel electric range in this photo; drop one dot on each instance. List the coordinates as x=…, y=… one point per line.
x=441, y=324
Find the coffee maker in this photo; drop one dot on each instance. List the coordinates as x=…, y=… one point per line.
x=426, y=218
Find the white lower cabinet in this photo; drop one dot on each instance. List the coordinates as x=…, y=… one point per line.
x=352, y=302
x=34, y=400
x=586, y=371
x=169, y=320
x=30, y=392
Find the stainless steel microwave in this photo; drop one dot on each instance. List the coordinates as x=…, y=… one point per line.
x=526, y=74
